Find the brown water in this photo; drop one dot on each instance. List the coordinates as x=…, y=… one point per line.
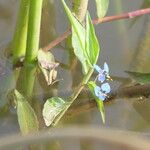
x=119, y=42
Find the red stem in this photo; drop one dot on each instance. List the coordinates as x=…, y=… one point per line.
x=96, y=21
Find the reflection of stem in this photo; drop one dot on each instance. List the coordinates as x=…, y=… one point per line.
x=129, y=15
x=133, y=91
x=112, y=138
x=74, y=95
x=82, y=108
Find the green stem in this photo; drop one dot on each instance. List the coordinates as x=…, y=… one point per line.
x=26, y=80
x=18, y=44
x=33, y=30
x=30, y=74
x=74, y=95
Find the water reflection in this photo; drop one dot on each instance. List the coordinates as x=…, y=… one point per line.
x=79, y=138
x=132, y=114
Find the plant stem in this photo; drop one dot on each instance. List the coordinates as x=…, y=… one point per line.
x=129, y=15
x=33, y=30
x=74, y=95
x=18, y=44
x=29, y=74
x=25, y=84
x=96, y=21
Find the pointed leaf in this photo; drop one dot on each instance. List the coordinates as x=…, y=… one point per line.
x=101, y=108
x=78, y=38
x=26, y=116
x=52, y=108
x=102, y=7
x=100, y=105
x=91, y=45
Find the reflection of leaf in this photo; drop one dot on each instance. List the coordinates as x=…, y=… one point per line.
x=141, y=78
x=78, y=38
x=91, y=44
x=102, y=7
x=26, y=116
x=52, y=109
x=100, y=104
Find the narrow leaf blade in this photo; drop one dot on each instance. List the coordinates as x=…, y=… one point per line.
x=100, y=104
x=92, y=45
x=101, y=108
x=78, y=38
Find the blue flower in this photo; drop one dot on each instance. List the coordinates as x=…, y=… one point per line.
x=102, y=73
x=101, y=92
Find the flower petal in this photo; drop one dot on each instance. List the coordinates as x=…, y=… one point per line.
x=101, y=78
x=97, y=90
x=105, y=88
x=106, y=68
x=98, y=69
x=101, y=96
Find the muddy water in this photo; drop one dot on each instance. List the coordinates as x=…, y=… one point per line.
x=119, y=43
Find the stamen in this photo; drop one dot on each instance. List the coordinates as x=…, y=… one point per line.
x=109, y=78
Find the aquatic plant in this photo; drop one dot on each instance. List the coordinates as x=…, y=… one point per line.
x=86, y=49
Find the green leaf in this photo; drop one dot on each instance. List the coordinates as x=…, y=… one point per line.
x=52, y=108
x=78, y=38
x=101, y=108
x=100, y=104
x=102, y=7
x=92, y=45
x=26, y=116
x=139, y=77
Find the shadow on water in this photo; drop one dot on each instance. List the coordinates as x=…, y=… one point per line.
x=124, y=47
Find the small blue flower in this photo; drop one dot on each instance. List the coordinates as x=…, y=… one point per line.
x=105, y=87
x=102, y=73
x=101, y=92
